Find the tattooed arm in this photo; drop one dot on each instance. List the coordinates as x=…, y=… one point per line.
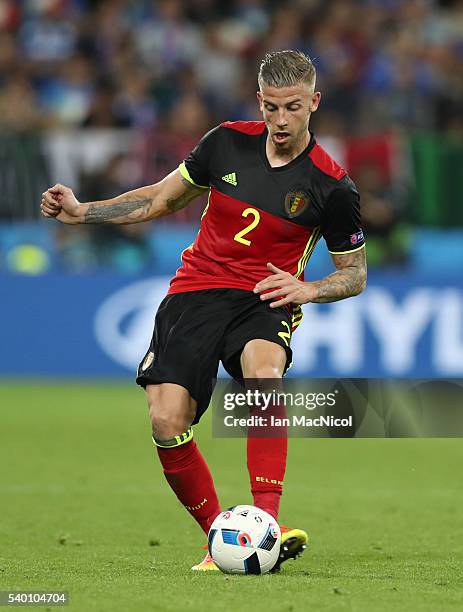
x=348, y=280
x=163, y=198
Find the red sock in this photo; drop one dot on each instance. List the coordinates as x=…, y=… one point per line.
x=189, y=477
x=267, y=464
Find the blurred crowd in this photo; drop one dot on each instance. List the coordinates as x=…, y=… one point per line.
x=142, y=63
x=170, y=70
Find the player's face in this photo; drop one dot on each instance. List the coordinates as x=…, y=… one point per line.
x=286, y=112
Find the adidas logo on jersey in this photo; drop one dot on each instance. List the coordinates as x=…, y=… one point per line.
x=230, y=178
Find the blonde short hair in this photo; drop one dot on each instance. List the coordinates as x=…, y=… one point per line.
x=286, y=68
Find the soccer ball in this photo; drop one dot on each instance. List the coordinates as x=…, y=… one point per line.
x=244, y=540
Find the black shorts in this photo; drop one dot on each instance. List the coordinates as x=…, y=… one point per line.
x=195, y=330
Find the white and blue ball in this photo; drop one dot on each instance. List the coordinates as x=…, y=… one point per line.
x=244, y=540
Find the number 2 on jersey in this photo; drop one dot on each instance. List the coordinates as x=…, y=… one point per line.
x=254, y=223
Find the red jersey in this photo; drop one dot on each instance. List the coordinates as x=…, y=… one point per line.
x=258, y=214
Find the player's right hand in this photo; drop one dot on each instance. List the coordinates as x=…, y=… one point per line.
x=59, y=202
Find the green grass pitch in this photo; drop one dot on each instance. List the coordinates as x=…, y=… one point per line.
x=84, y=508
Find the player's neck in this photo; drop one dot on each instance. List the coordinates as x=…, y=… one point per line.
x=281, y=158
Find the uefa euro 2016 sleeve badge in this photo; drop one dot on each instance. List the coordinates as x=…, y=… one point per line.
x=296, y=202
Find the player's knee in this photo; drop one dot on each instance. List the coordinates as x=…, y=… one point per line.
x=167, y=426
x=263, y=359
x=264, y=371
x=167, y=422
x=170, y=416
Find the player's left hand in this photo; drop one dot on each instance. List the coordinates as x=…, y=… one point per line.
x=287, y=288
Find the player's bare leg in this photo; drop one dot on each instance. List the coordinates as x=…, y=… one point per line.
x=263, y=359
x=266, y=456
x=172, y=410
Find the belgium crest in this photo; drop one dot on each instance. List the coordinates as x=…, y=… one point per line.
x=296, y=202
x=147, y=361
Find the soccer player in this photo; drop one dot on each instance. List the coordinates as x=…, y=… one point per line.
x=273, y=192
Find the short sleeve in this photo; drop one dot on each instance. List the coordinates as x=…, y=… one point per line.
x=196, y=167
x=341, y=225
